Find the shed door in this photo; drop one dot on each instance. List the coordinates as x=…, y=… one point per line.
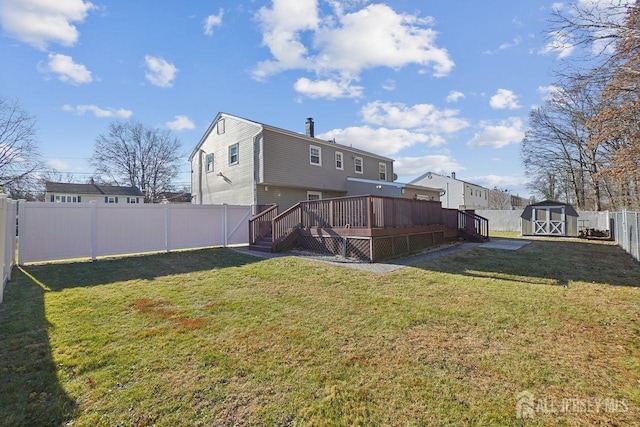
x=549, y=221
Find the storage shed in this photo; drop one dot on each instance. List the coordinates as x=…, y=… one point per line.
x=549, y=218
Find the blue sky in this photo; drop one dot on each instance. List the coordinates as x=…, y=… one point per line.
x=438, y=86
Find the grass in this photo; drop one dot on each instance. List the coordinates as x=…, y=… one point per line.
x=213, y=337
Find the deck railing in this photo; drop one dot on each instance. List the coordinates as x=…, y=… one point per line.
x=285, y=224
x=473, y=224
x=369, y=212
x=260, y=224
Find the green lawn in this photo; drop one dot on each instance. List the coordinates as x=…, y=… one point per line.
x=213, y=337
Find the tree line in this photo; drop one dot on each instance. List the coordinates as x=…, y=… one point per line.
x=583, y=145
x=127, y=154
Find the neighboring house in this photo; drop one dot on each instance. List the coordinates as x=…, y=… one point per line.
x=243, y=162
x=62, y=192
x=173, y=197
x=457, y=194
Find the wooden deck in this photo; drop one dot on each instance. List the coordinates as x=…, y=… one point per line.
x=370, y=228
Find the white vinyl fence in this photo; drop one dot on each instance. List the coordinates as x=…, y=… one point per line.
x=56, y=231
x=7, y=239
x=509, y=220
x=625, y=232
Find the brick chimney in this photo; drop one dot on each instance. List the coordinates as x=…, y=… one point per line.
x=309, y=128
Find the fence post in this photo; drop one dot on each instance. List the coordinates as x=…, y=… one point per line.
x=167, y=228
x=21, y=223
x=224, y=225
x=636, y=223
x=3, y=241
x=10, y=226
x=93, y=211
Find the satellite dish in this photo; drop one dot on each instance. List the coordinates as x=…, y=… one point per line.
x=395, y=176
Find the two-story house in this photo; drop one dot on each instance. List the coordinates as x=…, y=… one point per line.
x=243, y=162
x=62, y=192
x=458, y=194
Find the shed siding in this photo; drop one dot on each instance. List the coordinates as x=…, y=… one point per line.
x=286, y=163
x=236, y=185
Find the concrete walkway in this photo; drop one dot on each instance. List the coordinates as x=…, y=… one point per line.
x=392, y=265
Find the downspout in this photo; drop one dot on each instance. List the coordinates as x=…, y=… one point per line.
x=200, y=154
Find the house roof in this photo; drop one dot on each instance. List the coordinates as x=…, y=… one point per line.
x=91, y=189
x=287, y=132
x=395, y=184
x=426, y=174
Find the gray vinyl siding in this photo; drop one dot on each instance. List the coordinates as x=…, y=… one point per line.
x=286, y=163
x=285, y=197
x=236, y=185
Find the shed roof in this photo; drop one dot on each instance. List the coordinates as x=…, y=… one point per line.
x=569, y=209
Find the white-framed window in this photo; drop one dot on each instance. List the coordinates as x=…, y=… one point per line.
x=220, y=127
x=358, y=165
x=339, y=160
x=133, y=199
x=315, y=155
x=67, y=199
x=208, y=161
x=234, y=154
x=110, y=199
x=382, y=171
x=314, y=195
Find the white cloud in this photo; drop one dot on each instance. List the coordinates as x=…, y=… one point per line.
x=422, y=117
x=516, y=41
x=43, y=22
x=342, y=45
x=439, y=163
x=507, y=132
x=67, y=70
x=548, y=92
x=382, y=141
x=282, y=27
x=379, y=37
x=180, y=122
x=160, y=72
x=503, y=182
x=389, y=85
x=329, y=89
x=560, y=43
x=504, y=99
x=81, y=110
x=454, y=96
x=213, y=21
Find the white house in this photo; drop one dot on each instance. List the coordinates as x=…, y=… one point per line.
x=458, y=194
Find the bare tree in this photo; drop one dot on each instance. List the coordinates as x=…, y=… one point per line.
x=616, y=127
x=134, y=155
x=557, y=151
x=607, y=34
x=19, y=156
x=499, y=199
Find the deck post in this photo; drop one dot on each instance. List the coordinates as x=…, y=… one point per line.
x=331, y=213
x=369, y=211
